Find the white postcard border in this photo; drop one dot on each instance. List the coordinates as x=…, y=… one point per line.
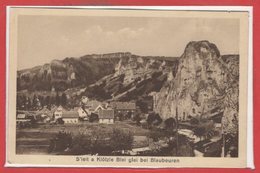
x=249, y=9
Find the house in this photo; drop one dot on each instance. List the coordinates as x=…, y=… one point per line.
x=148, y=100
x=45, y=111
x=58, y=113
x=70, y=117
x=22, y=119
x=106, y=116
x=47, y=120
x=98, y=108
x=146, y=104
x=44, y=115
x=82, y=112
x=123, y=108
x=93, y=106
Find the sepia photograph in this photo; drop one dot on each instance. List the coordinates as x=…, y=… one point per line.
x=127, y=87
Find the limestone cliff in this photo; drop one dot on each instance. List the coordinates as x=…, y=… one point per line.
x=204, y=81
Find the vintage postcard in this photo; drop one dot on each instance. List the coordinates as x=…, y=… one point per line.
x=127, y=88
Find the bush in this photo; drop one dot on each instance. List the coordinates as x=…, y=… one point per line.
x=97, y=143
x=170, y=123
x=59, y=121
x=155, y=135
x=60, y=142
x=121, y=140
x=81, y=144
x=154, y=119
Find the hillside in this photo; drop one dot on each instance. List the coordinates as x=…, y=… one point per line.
x=200, y=80
x=73, y=72
x=134, y=77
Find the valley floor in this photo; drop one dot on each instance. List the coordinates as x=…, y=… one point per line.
x=36, y=140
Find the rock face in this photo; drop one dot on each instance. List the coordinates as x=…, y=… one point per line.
x=134, y=77
x=64, y=74
x=86, y=70
x=204, y=81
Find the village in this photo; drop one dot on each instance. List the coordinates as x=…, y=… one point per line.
x=93, y=110
x=144, y=133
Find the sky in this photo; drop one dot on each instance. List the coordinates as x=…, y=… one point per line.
x=42, y=39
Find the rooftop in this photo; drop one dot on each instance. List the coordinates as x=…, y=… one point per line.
x=93, y=104
x=106, y=114
x=21, y=116
x=70, y=114
x=123, y=105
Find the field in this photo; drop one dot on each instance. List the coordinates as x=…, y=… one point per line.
x=36, y=140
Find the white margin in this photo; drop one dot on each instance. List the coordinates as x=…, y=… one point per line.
x=7, y=79
x=250, y=122
x=249, y=9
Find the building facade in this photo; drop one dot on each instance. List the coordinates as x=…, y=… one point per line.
x=106, y=116
x=123, y=109
x=70, y=117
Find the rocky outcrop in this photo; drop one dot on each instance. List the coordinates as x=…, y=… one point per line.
x=203, y=82
x=68, y=73
x=135, y=76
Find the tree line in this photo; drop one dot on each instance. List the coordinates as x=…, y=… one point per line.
x=37, y=102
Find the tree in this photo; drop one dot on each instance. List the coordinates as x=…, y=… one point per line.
x=48, y=101
x=41, y=101
x=81, y=144
x=32, y=120
x=21, y=102
x=170, y=123
x=60, y=121
x=154, y=119
x=57, y=99
x=151, y=118
x=63, y=99
x=200, y=131
x=142, y=105
x=120, y=116
x=128, y=115
x=158, y=119
x=137, y=119
x=28, y=103
x=121, y=140
x=34, y=102
x=53, y=100
x=205, y=129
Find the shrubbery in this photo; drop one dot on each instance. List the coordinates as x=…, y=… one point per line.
x=154, y=119
x=170, y=123
x=97, y=143
x=60, y=142
x=121, y=140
